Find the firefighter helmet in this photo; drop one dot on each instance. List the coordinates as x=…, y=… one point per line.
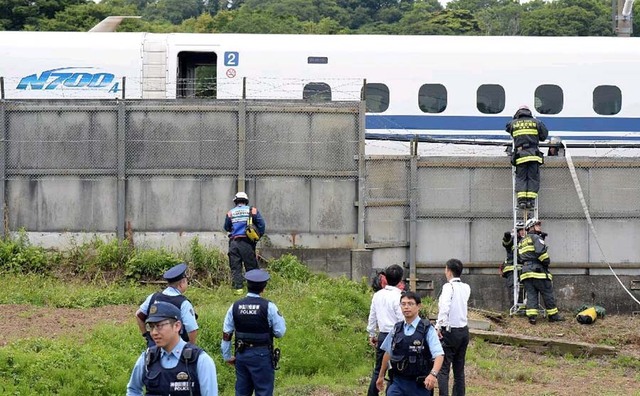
x=531, y=222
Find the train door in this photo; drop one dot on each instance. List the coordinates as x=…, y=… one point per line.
x=197, y=75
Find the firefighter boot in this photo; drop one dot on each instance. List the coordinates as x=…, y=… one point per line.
x=522, y=203
x=531, y=203
x=532, y=320
x=556, y=318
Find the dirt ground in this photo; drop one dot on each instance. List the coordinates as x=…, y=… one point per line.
x=623, y=332
x=21, y=321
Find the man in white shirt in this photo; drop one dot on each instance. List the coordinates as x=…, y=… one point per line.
x=452, y=328
x=385, y=312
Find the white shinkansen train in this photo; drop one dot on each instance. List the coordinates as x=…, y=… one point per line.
x=459, y=87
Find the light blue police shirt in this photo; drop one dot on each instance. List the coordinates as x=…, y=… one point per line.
x=276, y=322
x=187, y=314
x=205, y=367
x=409, y=328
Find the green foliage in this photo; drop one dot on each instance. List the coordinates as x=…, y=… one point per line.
x=47, y=291
x=412, y=17
x=101, y=366
x=16, y=14
x=174, y=11
x=210, y=265
x=568, y=18
x=82, y=17
x=18, y=255
x=290, y=268
x=324, y=351
x=150, y=264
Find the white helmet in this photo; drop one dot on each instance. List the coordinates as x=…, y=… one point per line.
x=241, y=195
x=531, y=222
x=555, y=140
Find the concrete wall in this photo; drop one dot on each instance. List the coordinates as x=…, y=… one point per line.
x=171, y=168
x=180, y=164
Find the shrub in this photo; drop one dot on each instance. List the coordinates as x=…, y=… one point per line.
x=209, y=264
x=20, y=256
x=113, y=255
x=150, y=264
x=291, y=268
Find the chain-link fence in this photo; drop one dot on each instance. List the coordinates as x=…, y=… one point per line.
x=162, y=166
x=424, y=210
x=96, y=166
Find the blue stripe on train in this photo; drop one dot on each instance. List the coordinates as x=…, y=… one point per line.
x=497, y=123
x=635, y=137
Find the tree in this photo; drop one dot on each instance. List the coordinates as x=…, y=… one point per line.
x=475, y=5
x=83, y=17
x=452, y=22
x=15, y=14
x=568, y=18
x=174, y=11
x=246, y=20
x=500, y=20
x=303, y=10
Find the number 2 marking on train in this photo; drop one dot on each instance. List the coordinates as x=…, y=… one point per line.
x=231, y=58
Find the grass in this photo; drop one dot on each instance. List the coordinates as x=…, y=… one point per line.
x=324, y=351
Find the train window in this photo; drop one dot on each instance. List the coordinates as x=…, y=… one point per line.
x=607, y=100
x=196, y=75
x=377, y=97
x=490, y=99
x=548, y=99
x=317, y=92
x=432, y=98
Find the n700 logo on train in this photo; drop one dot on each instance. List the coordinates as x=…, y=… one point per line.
x=63, y=78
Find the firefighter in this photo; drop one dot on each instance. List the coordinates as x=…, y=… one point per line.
x=527, y=133
x=532, y=253
x=507, y=267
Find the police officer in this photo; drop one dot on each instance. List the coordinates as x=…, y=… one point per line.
x=532, y=252
x=178, y=283
x=527, y=133
x=414, y=351
x=255, y=322
x=172, y=366
x=242, y=249
x=507, y=267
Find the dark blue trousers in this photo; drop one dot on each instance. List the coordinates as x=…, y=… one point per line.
x=406, y=387
x=241, y=251
x=254, y=372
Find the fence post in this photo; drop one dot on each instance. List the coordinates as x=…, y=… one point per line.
x=121, y=169
x=3, y=163
x=361, y=167
x=242, y=145
x=413, y=213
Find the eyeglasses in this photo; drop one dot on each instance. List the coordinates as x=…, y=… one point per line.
x=157, y=326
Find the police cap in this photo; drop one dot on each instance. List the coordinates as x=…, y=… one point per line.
x=161, y=310
x=175, y=273
x=257, y=275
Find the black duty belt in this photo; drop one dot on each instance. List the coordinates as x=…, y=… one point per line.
x=253, y=344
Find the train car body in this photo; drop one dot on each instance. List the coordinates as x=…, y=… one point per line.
x=458, y=87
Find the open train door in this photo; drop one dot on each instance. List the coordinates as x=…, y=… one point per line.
x=197, y=75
